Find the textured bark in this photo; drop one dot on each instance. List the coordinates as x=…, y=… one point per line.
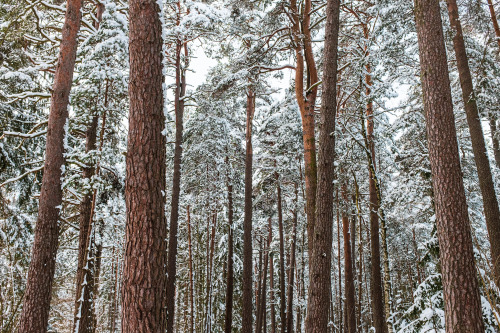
x=36, y=305
x=495, y=22
x=144, y=278
x=291, y=273
x=247, y=313
x=490, y=202
x=261, y=321
x=191, y=279
x=494, y=139
x=282, y=259
x=180, y=89
x=271, y=294
x=230, y=271
x=321, y=255
x=461, y=292
x=350, y=305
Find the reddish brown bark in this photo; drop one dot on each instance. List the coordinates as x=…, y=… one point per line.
x=321, y=255
x=461, y=292
x=490, y=202
x=350, y=305
x=247, y=313
x=306, y=99
x=144, y=278
x=494, y=138
x=36, y=305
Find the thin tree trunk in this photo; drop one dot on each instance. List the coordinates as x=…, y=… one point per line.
x=230, y=271
x=190, y=263
x=461, y=292
x=247, y=313
x=282, y=259
x=210, y=273
x=144, y=278
x=289, y=315
x=321, y=256
x=271, y=294
x=494, y=138
x=350, y=306
x=339, y=268
x=380, y=304
x=36, y=305
x=495, y=22
x=180, y=90
x=490, y=203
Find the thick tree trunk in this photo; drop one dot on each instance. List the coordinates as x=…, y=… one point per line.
x=321, y=255
x=180, y=89
x=349, y=274
x=461, y=292
x=282, y=259
x=36, y=304
x=144, y=278
x=490, y=202
x=230, y=271
x=247, y=313
x=291, y=274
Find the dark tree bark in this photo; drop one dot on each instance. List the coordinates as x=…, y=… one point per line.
x=461, y=292
x=490, y=202
x=230, y=271
x=247, y=313
x=271, y=293
x=83, y=314
x=191, y=280
x=321, y=255
x=180, y=90
x=291, y=272
x=350, y=306
x=36, y=305
x=144, y=278
x=282, y=259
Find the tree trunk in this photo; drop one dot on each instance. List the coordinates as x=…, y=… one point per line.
x=180, y=90
x=379, y=303
x=291, y=274
x=144, y=278
x=461, y=292
x=350, y=306
x=83, y=318
x=230, y=271
x=282, y=260
x=490, y=203
x=495, y=22
x=36, y=305
x=494, y=138
x=190, y=263
x=321, y=255
x=271, y=293
x=247, y=313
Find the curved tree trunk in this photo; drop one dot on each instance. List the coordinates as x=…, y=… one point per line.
x=320, y=241
x=35, y=313
x=461, y=292
x=490, y=202
x=144, y=278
